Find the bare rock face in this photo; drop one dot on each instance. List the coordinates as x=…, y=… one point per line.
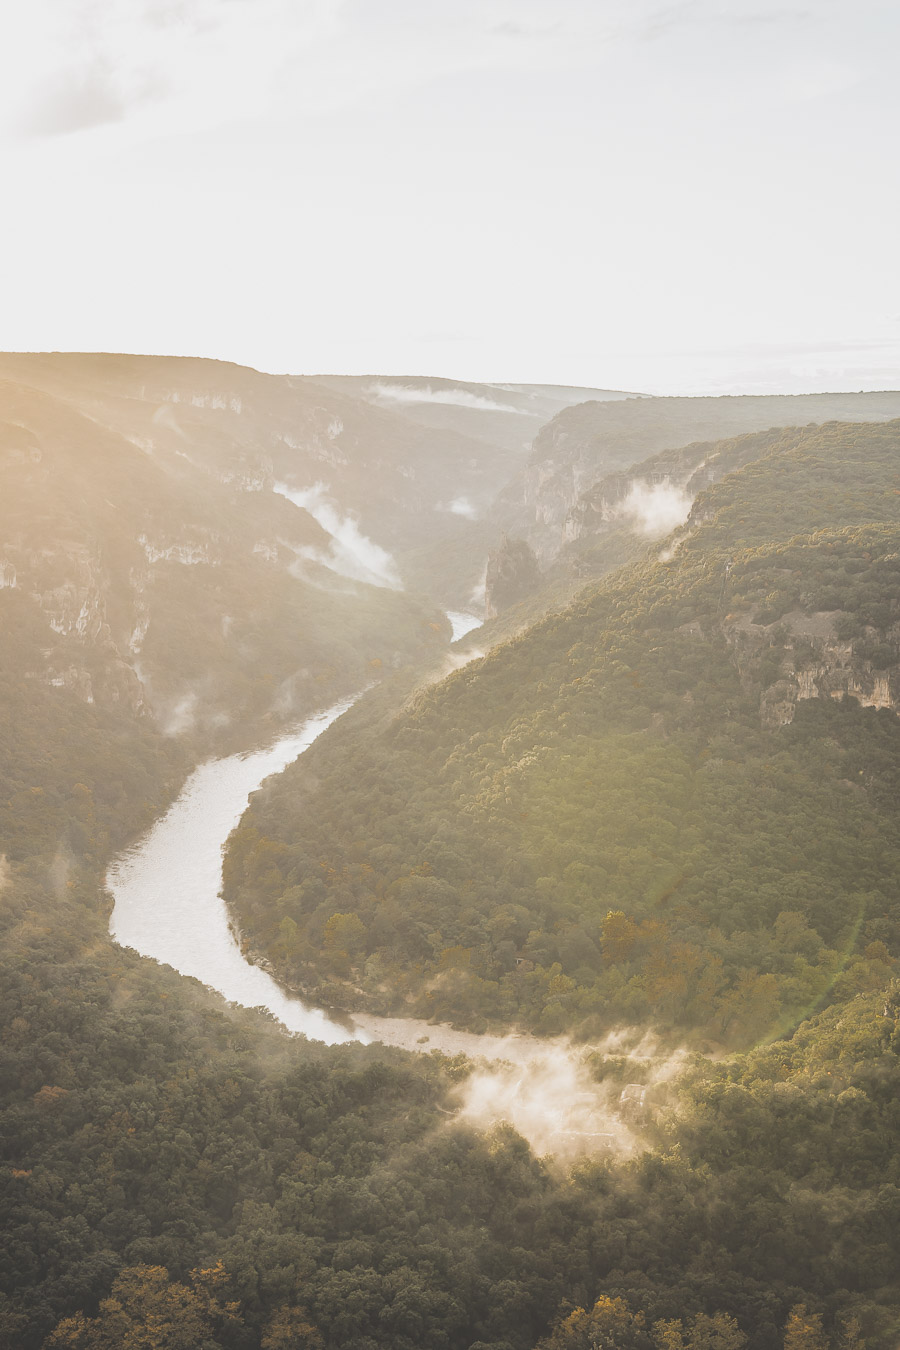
x=815, y=663
x=512, y=575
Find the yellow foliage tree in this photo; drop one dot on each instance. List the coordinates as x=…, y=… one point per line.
x=290, y=1329
x=618, y=937
x=719, y=1332
x=804, y=1330
x=609, y=1325
x=147, y=1311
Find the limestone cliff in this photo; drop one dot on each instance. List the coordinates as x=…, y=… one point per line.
x=813, y=662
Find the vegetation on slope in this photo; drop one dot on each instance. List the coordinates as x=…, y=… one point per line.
x=133, y=578
x=325, y=1197
x=173, y=1173
x=603, y=821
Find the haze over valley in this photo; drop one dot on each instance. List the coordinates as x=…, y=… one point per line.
x=449, y=675
x=590, y=844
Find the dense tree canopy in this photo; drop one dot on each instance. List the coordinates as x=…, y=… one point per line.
x=607, y=819
x=602, y=821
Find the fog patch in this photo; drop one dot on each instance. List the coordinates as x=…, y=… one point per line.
x=60, y=871
x=351, y=553
x=654, y=509
x=313, y=568
x=458, y=398
x=180, y=717
x=551, y=1102
x=570, y=1101
x=452, y=662
x=287, y=695
x=478, y=596
x=461, y=506
x=456, y=660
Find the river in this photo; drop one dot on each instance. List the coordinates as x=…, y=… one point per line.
x=168, y=906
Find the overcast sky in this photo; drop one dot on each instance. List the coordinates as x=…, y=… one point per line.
x=694, y=196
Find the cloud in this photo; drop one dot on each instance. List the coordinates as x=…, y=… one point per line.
x=77, y=100
x=806, y=80
x=458, y=398
x=180, y=66
x=184, y=65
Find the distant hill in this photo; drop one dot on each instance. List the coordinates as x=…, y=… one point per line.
x=588, y=442
x=396, y=477
x=510, y=415
x=152, y=587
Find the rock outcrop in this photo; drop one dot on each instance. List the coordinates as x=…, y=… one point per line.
x=512, y=575
x=813, y=663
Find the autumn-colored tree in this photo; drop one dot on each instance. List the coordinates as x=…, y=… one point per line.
x=719, y=1332
x=669, y=1335
x=290, y=1329
x=147, y=1311
x=851, y=1337
x=618, y=937
x=345, y=932
x=803, y=1330
x=609, y=1325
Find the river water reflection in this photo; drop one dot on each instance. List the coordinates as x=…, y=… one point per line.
x=168, y=906
x=166, y=888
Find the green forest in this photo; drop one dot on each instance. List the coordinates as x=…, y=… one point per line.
x=669, y=806
x=182, y=1176
x=598, y=823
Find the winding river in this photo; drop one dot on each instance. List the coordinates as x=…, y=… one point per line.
x=168, y=906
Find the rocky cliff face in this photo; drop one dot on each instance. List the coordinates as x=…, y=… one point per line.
x=402, y=480
x=140, y=565
x=512, y=575
x=813, y=662
x=585, y=458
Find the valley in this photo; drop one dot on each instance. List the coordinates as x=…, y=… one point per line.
x=578, y=893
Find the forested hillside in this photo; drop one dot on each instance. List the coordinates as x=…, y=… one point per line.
x=168, y=1166
x=585, y=443
x=671, y=804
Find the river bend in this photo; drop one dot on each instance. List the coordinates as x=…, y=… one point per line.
x=168, y=906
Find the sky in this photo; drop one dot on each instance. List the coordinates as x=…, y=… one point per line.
x=699, y=196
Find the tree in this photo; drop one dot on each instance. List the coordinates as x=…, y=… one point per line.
x=610, y=1325
x=290, y=1329
x=146, y=1311
x=804, y=1330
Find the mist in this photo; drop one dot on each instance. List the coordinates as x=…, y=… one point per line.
x=574, y=1100
x=460, y=398
x=351, y=553
x=654, y=509
x=461, y=506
